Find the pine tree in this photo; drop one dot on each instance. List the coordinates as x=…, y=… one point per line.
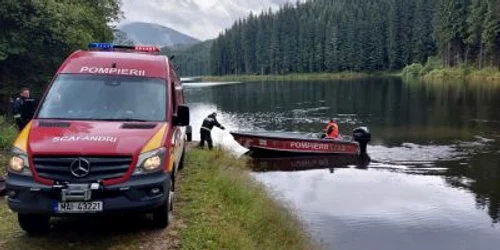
x=422, y=43
x=475, y=22
x=491, y=32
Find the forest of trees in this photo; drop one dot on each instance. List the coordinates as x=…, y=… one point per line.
x=315, y=36
x=192, y=60
x=36, y=36
x=340, y=35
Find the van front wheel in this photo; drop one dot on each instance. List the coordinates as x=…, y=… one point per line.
x=161, y=215
x=34, y=223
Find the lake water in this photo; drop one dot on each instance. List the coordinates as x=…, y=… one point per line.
x=434, y=177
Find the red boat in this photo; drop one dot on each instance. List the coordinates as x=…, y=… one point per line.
x=278, y=143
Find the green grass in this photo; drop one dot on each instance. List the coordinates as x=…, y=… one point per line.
x=8, y=134
x=491, y=74
x=434, y=70
x=226, y=209
x=461, y=72
x=4, y=159
x=466, y=73
x=292, y=77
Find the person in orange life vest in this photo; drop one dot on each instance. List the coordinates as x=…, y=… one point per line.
x=332, y=130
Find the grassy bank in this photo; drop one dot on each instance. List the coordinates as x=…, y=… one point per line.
x=467, y=73
x=293, y=77
x=434, y=70
x=8, y=134
x=224, y=208
x=217, y=206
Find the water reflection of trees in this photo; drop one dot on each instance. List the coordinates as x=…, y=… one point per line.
x=481, y=177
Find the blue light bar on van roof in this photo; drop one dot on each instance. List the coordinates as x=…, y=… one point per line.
x=100, y=46
x=112, y=47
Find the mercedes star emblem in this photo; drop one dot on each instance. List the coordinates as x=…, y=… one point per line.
x=80, y=168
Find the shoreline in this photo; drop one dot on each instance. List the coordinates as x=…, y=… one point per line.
x=433, y=71
x=487, y=75
x=473, y=75
x=347, y=75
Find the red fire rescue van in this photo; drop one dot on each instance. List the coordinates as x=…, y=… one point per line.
x=108, y=137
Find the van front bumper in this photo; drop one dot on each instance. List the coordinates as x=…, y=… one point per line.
x=139, y=194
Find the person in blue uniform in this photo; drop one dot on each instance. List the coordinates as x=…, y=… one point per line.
x=206, y=130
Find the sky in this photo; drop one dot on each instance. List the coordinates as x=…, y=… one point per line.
x=201, y=19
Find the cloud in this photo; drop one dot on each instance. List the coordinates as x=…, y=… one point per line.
x=202, y=19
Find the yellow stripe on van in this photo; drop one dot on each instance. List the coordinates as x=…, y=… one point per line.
x=22, y=139
x=170, y=162
x=156, y=141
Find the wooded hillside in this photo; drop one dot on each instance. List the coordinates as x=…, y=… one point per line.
x=339, y=35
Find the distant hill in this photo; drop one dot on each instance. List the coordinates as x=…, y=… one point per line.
x=155, y=34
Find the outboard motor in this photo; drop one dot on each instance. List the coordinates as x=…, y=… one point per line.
x=364, y=161
x=362, y=136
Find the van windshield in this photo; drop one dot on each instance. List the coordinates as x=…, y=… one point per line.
x=105, y=97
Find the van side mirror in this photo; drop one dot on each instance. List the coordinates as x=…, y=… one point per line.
x=182, y=117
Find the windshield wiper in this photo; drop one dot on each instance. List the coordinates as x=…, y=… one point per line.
x=97, y=119
x=124, y=120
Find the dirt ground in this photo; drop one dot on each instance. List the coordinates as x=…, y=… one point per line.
x=130, y=232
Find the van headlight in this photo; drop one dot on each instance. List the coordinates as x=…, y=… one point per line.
x=151, y=161
x=18, y=162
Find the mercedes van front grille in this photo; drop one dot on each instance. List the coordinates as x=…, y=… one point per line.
x=81, y=169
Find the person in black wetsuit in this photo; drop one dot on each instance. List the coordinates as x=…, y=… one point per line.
x=206, y=130
x=23, y=108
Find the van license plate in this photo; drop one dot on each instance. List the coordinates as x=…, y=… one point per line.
x=78, y=207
